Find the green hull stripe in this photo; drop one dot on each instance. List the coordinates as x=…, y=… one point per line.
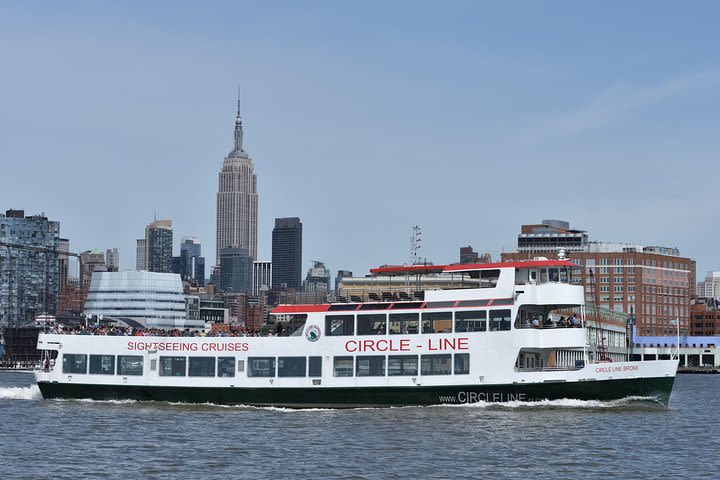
x=369, y=396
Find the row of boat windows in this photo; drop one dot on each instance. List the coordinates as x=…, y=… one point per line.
x=270, y=367
x=409, y=323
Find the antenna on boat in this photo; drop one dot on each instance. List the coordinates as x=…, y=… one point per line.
x=415, y=241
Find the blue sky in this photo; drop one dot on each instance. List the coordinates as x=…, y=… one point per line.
x=364, y=119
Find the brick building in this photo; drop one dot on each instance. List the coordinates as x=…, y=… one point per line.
x=653, y=284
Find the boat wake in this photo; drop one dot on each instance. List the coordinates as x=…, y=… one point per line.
x=567, y=403
x=20, y=393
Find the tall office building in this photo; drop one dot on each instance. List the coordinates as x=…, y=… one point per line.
x=140, y=256
x=317, y=278
x=158, y=246
x=287, y=253
x=63, y=263
x=112, y=260
x=192, y=263
x=236, y=268
x=90, y=262
x=262, y=276
x=339, y=277
x=29, y=266
x=237, y=200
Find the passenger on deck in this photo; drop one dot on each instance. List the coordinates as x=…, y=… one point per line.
x=526, y=323
x=576, y=321
x=536, y=322
x=562, y=322
x=548, y=322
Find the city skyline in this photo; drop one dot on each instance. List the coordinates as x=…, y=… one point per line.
x=477, y=128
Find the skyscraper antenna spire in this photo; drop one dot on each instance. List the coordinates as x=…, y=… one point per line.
x=238, y=148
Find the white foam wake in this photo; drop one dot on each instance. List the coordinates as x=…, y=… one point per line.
x=560, y=403
x=20, y=393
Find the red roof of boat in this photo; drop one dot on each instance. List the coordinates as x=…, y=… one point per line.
x=300, y=308
x=466, y=267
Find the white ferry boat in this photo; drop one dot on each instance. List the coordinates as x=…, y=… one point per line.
x=471, y=342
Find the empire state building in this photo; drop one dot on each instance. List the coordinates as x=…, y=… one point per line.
x=237, y=201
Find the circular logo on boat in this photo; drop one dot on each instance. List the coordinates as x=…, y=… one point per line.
x=312, y=333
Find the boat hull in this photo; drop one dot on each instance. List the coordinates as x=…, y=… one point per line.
x=658, y=389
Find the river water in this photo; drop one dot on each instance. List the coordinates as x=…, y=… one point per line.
x=558, y=439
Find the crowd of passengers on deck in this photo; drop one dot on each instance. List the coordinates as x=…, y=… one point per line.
x=160, y=332
x=536, y=322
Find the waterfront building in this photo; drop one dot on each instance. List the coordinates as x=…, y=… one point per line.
x=287, y=253
x=650, y=283
x=317, y=278
x=29, y=266
x=158, y=246
x=237, y=199
x=140, y=258
x=112, y=260
x=63, y=263
x=705, y=317
x=262, y=276
x=148, y=299
x=90, y=261
x=235, y=270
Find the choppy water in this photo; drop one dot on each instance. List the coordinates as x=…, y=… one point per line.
x=553, y=439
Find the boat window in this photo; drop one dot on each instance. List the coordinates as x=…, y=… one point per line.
x=374, y=306
x=499, y=320
x=502, y=301
x=173, y=366
x=226, y=367
x=435, y=364
x=371, y=324
x=261, y=367
x=471, y=321
x=403, y=323
x=489, y=278
x=342, y=366
x=554, y=275
x=342, y=306
x=449, y=304
x=437, y=322
x=315, y=367
x=74, y=363
x=130, y=365
x=405, y=305
x=473, y=303
x=462, y=364
x=543, y=275
x=370, y=366
x=564, y=278
x=201, y=367
x=338, y=325
x=102, y=364
x=291, y=366
x=533, y=276
x=402, y=365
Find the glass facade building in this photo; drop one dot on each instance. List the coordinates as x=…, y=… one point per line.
x=236, y=269
x=148, y=298
x=287, y=253
x=29, y=267
x=158, y=246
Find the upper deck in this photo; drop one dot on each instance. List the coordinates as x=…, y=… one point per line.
x=540, y=282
